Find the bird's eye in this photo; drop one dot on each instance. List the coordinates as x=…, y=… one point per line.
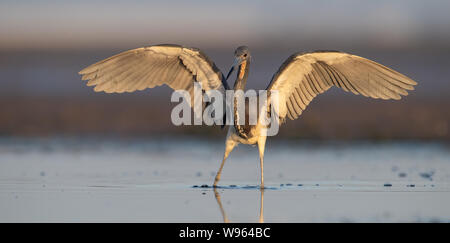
x=245, y=55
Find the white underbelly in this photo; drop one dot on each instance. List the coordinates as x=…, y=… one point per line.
x=235, y=137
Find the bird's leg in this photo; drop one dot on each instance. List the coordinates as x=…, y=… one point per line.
x=261, y=146
x=229, y=146
x=219, y=173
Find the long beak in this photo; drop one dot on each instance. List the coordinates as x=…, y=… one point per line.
x=235, y=64
x=230, y=72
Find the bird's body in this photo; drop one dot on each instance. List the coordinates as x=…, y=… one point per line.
x=299, y=80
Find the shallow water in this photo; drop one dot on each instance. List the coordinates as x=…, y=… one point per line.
x=166, y=180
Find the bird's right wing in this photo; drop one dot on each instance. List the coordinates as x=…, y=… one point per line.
x=176, y=66
x=303, y=76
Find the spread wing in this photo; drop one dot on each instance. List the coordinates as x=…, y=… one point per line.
x=176, y=66
x=303, y=76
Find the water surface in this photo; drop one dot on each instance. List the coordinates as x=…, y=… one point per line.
x=160, y=180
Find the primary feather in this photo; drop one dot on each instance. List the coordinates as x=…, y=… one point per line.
x=305, y=75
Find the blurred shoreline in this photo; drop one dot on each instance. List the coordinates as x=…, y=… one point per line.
x=325, y=119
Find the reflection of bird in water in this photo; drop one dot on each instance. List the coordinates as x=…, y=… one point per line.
x=219, y=202
x=224, y=214
x=301, y=78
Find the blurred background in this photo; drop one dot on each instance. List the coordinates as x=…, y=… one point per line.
x=43, y=45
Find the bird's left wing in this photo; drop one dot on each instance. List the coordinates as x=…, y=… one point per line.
x=176, y=66
x=303, y=76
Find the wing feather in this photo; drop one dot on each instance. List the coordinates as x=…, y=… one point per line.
x=305, y=75
x=147, y=67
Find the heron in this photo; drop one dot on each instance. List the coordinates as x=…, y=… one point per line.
x=302, y=77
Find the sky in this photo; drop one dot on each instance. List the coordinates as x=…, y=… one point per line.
x=96, y=24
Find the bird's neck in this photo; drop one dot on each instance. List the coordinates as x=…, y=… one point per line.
x=242, y=75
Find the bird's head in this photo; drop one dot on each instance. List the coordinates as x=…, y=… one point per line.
x=241, y=58
x=242, y=53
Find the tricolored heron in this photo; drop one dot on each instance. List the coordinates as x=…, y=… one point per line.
x=299, y=79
